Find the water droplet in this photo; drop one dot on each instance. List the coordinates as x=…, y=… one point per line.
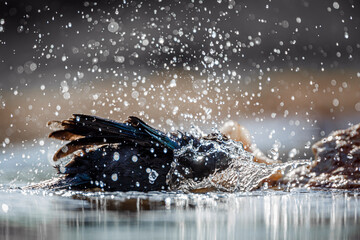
x=357, y=106
x=145, y=42
x=62, y=169
x=134, y=158
x=66, y=96
x=64, y=149
x=5, y=208
x=113, y=27
x=153, y=176
x=135, y=94
x=33, y=66
x=20, y=29
x=114, y=177
x=292, y=153
x=116, y=156
x=119, y=59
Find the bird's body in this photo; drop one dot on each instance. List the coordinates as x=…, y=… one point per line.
x=132, y=156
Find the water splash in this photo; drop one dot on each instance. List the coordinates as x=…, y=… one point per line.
x=236, y=172
x=242, y=176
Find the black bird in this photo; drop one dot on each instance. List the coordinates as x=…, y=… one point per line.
x=132, y=156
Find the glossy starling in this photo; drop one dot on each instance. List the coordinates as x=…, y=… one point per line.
x=131, y=156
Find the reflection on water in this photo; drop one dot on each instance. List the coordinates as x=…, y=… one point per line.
x=299, y=214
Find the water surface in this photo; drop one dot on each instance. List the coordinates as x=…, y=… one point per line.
x=298, y=214
x=261, y=214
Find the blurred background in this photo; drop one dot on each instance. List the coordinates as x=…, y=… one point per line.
x=288, y=70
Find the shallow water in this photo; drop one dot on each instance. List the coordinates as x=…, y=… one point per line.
x=261, y=214
x=298, y=214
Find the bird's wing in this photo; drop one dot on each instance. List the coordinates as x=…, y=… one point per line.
x=85, y=131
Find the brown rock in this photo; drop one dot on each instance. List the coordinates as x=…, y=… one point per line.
x=336, y=165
